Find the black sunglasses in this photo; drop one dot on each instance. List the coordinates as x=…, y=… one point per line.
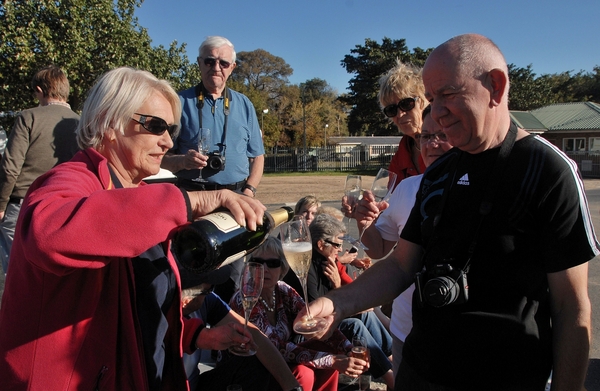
x=406, y=104
x=211, y=62
x=271, y=263
x=334, y=244
x=155, y=125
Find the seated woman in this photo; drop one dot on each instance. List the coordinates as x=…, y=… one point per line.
x=307, y=206
x=324, y=275
x=315, y=364
x=253, y=373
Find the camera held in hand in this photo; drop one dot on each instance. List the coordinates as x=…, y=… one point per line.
x=215, y=161
x=442, y=285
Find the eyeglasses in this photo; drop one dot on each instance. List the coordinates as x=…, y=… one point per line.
x=271, y=263
x=334, y=244
x=211, y=62
x=405, y=105
x=155, y=125
x=439, y=137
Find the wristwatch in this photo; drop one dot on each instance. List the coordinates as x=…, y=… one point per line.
x=251, y=188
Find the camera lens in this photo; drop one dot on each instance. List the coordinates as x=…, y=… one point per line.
x=441, y=291
x=214, y=162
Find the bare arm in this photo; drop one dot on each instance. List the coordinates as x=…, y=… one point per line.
x=571, y=323
x=257, y=165
x=267, y=353
x=388, y=277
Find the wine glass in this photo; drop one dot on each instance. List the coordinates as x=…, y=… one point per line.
x=359, y=350
x=382, y=188
x=204, y=145
x=297, y=248
x=251, y=284
x=352, y=191
x=383, y=184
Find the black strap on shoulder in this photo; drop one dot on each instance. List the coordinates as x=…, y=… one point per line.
x=200, y=92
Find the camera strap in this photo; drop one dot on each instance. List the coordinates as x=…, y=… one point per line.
x=200, y=90
x=491, y=189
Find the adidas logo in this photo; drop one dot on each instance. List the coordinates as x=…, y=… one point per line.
x=464, y=180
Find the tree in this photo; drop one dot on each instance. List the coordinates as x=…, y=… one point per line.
x=526, y=91
x=262, y=71
x=369, y=63
x=84, y=37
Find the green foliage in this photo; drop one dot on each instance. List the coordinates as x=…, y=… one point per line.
x=368, y=63
x=84, y=37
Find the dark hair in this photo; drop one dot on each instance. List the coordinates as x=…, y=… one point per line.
x=52, y=81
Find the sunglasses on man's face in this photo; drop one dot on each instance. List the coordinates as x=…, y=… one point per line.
x=270, y=263
x=212, y=62
x=405, y=105
x=155, y=125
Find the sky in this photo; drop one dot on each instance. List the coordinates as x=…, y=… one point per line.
x=313, y=36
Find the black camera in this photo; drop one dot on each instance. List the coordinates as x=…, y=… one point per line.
x=443, y=285
x=216, y=161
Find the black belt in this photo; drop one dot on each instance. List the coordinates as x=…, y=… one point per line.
x=188, y=184
x=15, y=200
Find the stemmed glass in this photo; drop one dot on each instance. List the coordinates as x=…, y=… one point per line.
x=297, y=248
x=251, y=285
x=382, y=188
x=352, y=191
x=204, y=144
x=383, y=184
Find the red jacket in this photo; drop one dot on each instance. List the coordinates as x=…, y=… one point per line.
x=402, y=163
x=68, y=318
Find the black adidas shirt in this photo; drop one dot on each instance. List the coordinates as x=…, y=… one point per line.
x=539, y=223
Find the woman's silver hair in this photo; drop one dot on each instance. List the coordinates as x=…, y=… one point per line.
x=270, y=249
x=325, y=227
x=114, y=98
x=214, y=42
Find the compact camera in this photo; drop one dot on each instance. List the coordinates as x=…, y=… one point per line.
x=442, y=285
x=215, y=161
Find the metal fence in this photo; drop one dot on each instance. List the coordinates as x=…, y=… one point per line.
x=330, y=158
x=588, y=163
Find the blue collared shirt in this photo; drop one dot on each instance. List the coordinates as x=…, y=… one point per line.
x=244, y=137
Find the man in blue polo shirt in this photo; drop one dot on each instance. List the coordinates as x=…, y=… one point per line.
x=236, y=152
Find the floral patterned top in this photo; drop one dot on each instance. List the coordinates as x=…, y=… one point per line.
x=288, y=303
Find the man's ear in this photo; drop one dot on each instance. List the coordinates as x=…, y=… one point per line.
x=498, y=83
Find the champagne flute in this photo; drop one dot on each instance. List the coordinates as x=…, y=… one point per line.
x=251, y=285
x=352, y=191
x=383, y=185
x=359, y=350
x=382, y=188
x=204, y=145
x=297, y=248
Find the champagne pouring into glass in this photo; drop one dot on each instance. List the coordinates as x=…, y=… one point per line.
x=251, y=285
x=297, y=248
